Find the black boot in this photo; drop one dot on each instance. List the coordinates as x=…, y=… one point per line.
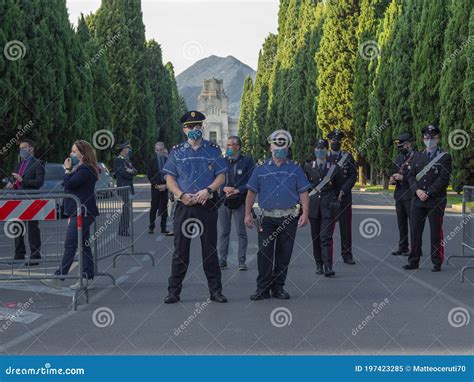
x=328, y=272
x=319, y=269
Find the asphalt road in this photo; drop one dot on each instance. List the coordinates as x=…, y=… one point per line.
x=373, y=307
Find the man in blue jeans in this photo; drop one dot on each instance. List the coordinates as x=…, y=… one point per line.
x=240, y=167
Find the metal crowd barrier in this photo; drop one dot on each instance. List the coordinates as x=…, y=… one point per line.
x=113, y=231
x=467, y=228
x=20, y=213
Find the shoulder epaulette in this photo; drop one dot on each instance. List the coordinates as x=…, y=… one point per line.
x=259, y=162
x=177, y=146
x=215, y=145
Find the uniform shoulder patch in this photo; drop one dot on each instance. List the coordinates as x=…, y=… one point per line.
x=259, y=162
x=215, y=145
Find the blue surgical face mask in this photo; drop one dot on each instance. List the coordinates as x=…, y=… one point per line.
x=74, y=159
x=280, y=153
x=320, y=153
x=24, y=154
x=195, y=134
x=431, y=143
x=229, y=152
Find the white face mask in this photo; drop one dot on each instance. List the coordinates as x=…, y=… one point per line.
x=431, y=143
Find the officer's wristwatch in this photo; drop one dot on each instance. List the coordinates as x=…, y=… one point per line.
x=209, y=190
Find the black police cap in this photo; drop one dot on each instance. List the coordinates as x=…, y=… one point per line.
x=321, y=144
x=192, y=117
x=431, y=130
x=123, y=145
x=403, y=138
x=336, y=134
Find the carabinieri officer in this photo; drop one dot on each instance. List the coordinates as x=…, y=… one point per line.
x=402, y=193
x=347, y=164
x=429, y=178
x=280, y=184
x=326, y=179
x=194, y=171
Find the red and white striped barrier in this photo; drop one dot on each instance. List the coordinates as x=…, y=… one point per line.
x=25, y=210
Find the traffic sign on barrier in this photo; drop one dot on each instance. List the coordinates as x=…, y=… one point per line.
x=26, y=210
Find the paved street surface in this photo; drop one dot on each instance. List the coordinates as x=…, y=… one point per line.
x=373, y=307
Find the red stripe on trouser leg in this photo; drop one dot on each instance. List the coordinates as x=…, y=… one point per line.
x=350, y=227
x=7, y=208
x=332, y=242
x=441, y=247
x=79, y=221
x=33, y=209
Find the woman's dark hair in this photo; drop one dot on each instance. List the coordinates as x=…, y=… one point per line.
x=88, y=155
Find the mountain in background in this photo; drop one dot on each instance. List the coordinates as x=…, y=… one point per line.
x=229, y=69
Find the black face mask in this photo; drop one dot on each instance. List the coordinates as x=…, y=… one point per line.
x=335, y=146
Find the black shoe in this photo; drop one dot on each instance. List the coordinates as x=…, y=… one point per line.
x=349, y=261
x=243, y=267
x=397, y=253
x=319, y=269
x=218, y=297
x=328, y=272
x=34, y=260
x=406, y=253
x=151, y=231
x=279, y=292
x=409, y=267
x=167, y=233
x=172, y=298
x=223, y=265
x=260, y=295
x=19, y=257
x=436, y=268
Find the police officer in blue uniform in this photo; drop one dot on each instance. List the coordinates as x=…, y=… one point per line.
x=195, y=170
x=280, y=185
x=402, y=193
x=234, y=192
x=429, y=178
x=347, y=164
x=326, y=180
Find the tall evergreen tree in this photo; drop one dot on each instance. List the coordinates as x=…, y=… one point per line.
x=427, y=63
x=336, y=61
x=246, y=116
x=454, y=110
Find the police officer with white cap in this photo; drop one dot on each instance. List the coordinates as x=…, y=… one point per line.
x=280, y=185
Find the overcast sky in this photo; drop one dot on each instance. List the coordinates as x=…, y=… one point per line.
x=189, y=30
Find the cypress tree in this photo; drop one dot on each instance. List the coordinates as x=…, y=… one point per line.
x=336, y=61
x=246, y=116
x=427, y=63
x=454, y=109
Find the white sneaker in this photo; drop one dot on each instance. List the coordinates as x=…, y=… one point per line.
x=53, y=283
x=85, y=282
